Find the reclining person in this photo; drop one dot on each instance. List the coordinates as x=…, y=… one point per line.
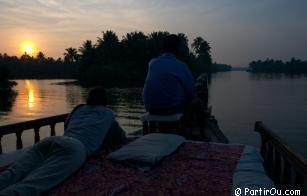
x=53, y=159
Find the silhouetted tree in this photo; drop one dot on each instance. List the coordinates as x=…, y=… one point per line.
x=202, y=50
x=37, y=67
x=5, y=84
x=26, y=58
x=110, y=61
x=107, y=47
x=40, y=57
x=71, y=55
x=135, y=49
x=127, y=59
x=156, y=41
x=184, y=51
x=7, y=94
x=87, y=55
x=135, y=46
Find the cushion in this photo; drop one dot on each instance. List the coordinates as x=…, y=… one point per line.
x=150, y=148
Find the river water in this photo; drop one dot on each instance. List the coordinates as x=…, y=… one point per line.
x=238, y=99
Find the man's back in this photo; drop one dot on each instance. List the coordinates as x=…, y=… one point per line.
x=169, y=83
x=90, y=124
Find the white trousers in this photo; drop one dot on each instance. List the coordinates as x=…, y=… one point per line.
x=43, y=166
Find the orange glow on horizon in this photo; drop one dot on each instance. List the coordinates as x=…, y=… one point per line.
x=27, y=47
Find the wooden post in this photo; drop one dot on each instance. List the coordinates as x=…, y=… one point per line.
x=299, y=181
x=269, y=158
x=287, y=181
x=36, y=134
x=52, y=129
x=277, y=168
x=265, y=153
x=19, y=140
x=1, y=145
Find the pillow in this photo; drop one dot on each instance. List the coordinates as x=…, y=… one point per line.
x=150, y=148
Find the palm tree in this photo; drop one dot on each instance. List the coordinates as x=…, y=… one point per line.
x=135, y=45
x=108, y=39
x=184, y=51
x=40, y=57
x=158, y=35
x=86, y=47
x=202, y=50
x=87, y=55
x=156, y=41
x=136, y=50
x=133, y=36
x=108, y=47
x=71, y=55
x=200, y=46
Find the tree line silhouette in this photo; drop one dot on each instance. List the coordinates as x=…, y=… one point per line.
x=124, y=62
x=294, y=66
x=5, y=83
x=215, y=67
x=7, y=94
x=38, y=67
x=110, y=61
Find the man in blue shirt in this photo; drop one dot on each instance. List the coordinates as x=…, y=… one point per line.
x=169, y=86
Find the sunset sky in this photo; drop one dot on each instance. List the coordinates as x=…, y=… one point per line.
x=239, y=31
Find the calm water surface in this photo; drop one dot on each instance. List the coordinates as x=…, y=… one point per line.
x=238, y=100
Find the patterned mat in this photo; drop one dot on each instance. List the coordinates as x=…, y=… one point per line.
x=195, y=169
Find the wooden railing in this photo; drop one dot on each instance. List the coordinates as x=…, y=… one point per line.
x=19, y=128
x=287, y=169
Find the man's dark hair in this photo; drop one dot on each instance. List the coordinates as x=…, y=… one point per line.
x=97, y=96
x=171, y=43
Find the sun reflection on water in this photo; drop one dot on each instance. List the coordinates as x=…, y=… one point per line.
x=31, y=96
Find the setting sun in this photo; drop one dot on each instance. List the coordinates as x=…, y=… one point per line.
x=27, y=47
